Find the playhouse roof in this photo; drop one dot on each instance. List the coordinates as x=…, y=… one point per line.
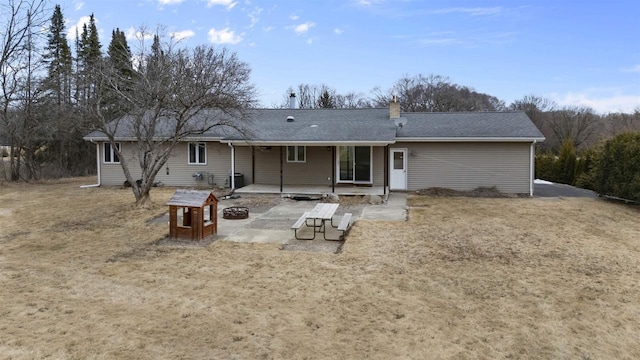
x=191, y=198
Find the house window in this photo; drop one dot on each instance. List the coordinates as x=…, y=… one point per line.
x=110, y=156
x=296, y=154
x=197, y=153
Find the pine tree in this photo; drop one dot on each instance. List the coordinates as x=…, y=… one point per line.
x=58, y=57
x=325, y=101
x=89, y=55
x=121, y=69
x=119, y=52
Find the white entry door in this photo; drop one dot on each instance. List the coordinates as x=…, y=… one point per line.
x=398, y=166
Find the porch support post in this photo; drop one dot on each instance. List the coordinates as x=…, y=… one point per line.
x=233, y=167
x=281, y=165
x=386, y=169
x=253, y=165
x=333, y=169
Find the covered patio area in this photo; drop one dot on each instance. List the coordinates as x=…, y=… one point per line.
x=311, y=189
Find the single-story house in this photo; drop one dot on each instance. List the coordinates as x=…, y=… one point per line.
x=348, y=151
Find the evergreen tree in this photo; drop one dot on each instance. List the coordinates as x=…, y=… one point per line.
x=119, y=52
x=121, y=74
x=58, y=57
x=566, y=169
x=89, y=55
x=325, y=101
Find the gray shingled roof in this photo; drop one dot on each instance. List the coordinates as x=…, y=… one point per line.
x=511, y=124
x=326, y=125
x=361, y=125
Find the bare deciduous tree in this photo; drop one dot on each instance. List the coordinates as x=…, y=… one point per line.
x=435, y=93
x=173, y=93
x=535, y=107
x=20, y=22
x=617, y=123
x=579, y=124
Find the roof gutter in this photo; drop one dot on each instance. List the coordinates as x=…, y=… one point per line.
x=468, y=139
x=156, y=138
x=307, y=143
x=97, y=167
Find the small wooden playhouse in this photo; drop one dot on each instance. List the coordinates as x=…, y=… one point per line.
x=193, y=214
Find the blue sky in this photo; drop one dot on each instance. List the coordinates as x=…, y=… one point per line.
x=583, y=52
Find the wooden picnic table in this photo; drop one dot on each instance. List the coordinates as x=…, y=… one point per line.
x=320, y=214
x=323, y=211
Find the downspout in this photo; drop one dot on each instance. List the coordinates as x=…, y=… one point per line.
x=531, y=167
x=233, y=167
x=97, y=167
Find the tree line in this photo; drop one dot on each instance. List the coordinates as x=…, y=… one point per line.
x=47, y=85
x=53, y=93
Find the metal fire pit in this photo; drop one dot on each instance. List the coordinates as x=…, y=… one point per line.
x=235, y=212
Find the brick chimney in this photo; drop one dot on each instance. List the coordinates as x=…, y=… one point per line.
x=394, y=108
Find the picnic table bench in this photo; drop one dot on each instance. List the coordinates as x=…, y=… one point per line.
x=317, y=219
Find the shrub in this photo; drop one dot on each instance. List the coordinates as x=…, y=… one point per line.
x=545, y=166
x=616, y=169
x=566, y=165
x=583, y=172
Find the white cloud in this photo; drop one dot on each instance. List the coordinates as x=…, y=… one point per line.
x=600, y=101
x=79, y=5
x=229, y=4
x=181, y=35
x=303, y=28
x=338, y=31
x=310, y=41
x=268, y=28
x=224, y=36
x=368, y=2
x=294, y=17
x=254, y=16
x=133, y=34
x=170, y=2
x=632, y=69
x=440, y=41
x=71, y=31
x=477, y=11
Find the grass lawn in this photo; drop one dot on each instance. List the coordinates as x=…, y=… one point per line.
x=80, y=278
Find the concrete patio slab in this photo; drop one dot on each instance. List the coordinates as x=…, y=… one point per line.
x=271, y=222
x=395, y=209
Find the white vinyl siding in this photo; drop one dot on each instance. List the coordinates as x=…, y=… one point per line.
x=180, y=172
x=466, y=166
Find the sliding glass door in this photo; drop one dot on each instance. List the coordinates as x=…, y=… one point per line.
x=354, y=164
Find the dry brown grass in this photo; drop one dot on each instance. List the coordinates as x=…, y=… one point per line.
x=463, y=278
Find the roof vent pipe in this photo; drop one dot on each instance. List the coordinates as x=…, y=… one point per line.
x=292, y=101
x=290, y=118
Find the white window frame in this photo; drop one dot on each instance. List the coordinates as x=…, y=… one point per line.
x=198, y=161
x=295, y=154
x=111, y=152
